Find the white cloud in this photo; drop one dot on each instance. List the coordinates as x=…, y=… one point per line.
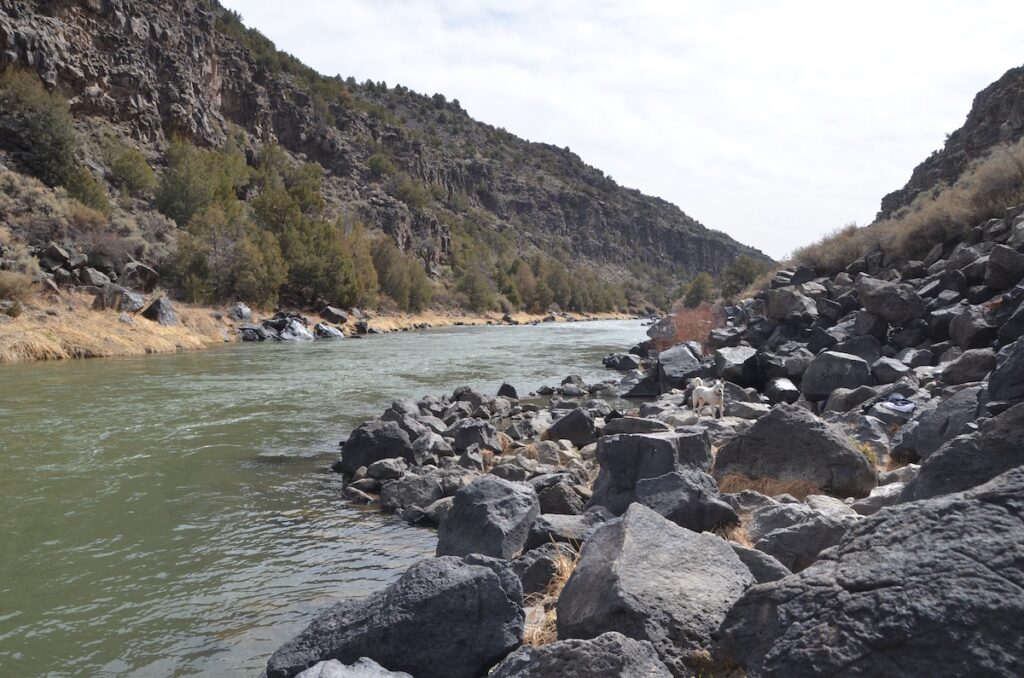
x=773, y=121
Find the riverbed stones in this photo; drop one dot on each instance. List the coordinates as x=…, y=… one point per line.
x=649, y=579
x=577, y=427
x=831, y=370
x=626, y=459
x=468, y=432
x=790, y=443
x=445, y=617
x=364, y=668
x=489, y=516
x=926, y=588
x=609, y=654
x=373, y=441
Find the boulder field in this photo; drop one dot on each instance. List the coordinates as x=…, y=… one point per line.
x=858, y=509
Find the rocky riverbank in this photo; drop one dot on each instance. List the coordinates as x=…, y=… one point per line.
x=858, y=510
x=112, y=320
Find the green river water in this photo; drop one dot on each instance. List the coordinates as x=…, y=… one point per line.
x=172, y=515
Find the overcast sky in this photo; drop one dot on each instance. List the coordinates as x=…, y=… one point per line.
x=775, y=122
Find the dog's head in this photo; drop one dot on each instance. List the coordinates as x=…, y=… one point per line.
x=720, y=389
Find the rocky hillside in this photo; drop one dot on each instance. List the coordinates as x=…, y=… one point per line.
x=996, y=116
x=417, y=168
x=843, y=445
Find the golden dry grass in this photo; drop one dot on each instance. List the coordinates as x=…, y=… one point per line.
x=77, y=331
x=735, y=532
x=737, y=482
x=546, y=630
x=984, y=191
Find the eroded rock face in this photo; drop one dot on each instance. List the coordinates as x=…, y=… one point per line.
x=444, y=617
x=790, y=443
x=650, y=579
x=920, y=589
x=610, y=654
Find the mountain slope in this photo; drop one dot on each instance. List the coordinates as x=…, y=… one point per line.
x=418, y=168
x=996, y=116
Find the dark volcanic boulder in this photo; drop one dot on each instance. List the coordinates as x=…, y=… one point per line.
x=554, y=527
x=969, y=460
x=931, y=588
x=373, y=441
x=972, y=365
x=798, y=545
x=831, y=370
x=610, y=654
x=781, y=390
x=138, y=276
x=364, y=668
x=467, y=432
x=1005, y=267
x=650, y=579
x=972, y=328
x=738, y=365
x=688, y=498
x=897, y=303
x=161, y=312
x=577, y=427
x=489, y=516
x=944, y=422
x=115, y=297
x=443, y=618
x=676, y=365
x=790, y=443
x=1007, y=381
x=628, y=458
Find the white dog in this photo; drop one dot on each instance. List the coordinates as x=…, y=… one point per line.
x=713, y=395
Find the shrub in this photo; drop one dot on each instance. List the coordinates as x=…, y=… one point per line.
x=195, y=179
x=129, y=170
x=87, y=189
x=700, y=290
x=402, y=276
x=48, y=145
x=380, y=165
x=694, y=324
x=17, y=287
x=413, y=193
x=477, y=288
x=741, y=274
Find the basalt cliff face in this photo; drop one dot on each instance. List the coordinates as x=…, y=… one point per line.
x=996, y=116
x=153, y=70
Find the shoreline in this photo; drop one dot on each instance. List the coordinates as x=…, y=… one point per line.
x=65, y=326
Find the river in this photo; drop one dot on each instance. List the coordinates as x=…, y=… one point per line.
x=173, y=516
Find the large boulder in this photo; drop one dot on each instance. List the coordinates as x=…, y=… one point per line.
x=609, y=654
x=1005, y=267
x=971, y=365
x=676, y=366
x=896, y=302
x=161, y=312
x=943, y=422
x=138, y=276
x=628, y=458
x=490, y=516
x=789, y=304
x=972, y=459
x=577, y=427
x=688, y=498
x=650, y=579
x=444, y=618
x=971, y=327
x=931, y=588
x=569, y=529
x=364, y=668
x=738, y=365
x=798, y=545
x=373, y=441
x=467, y=432
x=831, y=370
x=791, y=443
x=1007, y=381
x=117, y=298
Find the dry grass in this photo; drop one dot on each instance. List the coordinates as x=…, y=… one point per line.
x=16, y=286
x=737, y=482
x=984, y=191
x=735, y=532
x=83, y=333
x=546, y=630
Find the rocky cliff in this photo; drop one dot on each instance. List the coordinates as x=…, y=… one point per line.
x=996, y=116
x=155, y=70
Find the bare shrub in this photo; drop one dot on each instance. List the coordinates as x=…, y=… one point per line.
x=694, y=324
x=16, y=287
